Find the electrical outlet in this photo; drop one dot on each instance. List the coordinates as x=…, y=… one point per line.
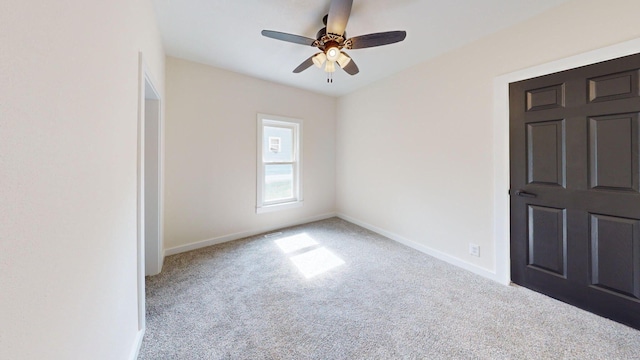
x=474, y=250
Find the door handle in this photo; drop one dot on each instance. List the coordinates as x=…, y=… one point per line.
x=525, y=194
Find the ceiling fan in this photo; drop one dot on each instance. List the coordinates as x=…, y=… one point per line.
x=332, y=39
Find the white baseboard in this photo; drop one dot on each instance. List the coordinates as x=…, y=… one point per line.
x=135, y=351
x=425, y=249
x=412, y=244
x=243, y=234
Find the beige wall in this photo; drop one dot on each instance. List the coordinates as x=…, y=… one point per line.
x=210, y=173
x=415, y=151
x=68, y=158
x=414, y=156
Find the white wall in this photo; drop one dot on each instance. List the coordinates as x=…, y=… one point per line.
x=416, y=150
x=68, y=149
x=210, y=163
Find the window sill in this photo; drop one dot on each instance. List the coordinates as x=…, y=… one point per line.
x=278, y=207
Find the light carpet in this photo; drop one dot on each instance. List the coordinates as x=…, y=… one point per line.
x=248, y=299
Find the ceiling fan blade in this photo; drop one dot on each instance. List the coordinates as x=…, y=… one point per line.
x=296, y=39
x=351, y=68
x=305, y=65
x=339, y=12
x=376, y=39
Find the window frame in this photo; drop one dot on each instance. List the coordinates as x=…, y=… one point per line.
x=296, y=200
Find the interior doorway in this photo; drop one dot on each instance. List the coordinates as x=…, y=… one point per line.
x=575, y=187
x=149, y=218
x=501, y=83
x=152, y=181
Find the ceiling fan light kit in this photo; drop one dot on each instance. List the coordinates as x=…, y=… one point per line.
x=331, y=67
x=332, y=39
x=319, y=59
x=343, y=60
x=332, y=53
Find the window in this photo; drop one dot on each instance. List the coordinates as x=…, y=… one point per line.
x=274, y=144
x=279, y=163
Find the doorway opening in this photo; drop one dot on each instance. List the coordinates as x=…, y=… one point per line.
x=152, y=182
x=149, y=237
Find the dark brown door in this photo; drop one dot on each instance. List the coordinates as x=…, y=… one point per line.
x=575, y=181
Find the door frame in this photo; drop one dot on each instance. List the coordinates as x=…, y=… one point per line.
x=151, y=125
x=501, y=208
x=147, y=84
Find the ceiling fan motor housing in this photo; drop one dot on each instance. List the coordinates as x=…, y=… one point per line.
x=323, y=33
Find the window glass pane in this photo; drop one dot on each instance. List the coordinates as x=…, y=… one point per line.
x=278, y=182
x=277, y=144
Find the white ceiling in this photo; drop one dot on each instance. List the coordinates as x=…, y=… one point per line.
x=226, y=34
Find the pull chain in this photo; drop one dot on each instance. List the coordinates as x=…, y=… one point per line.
x=329, y=78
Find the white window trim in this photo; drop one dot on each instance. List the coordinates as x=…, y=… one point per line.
x=296, y=125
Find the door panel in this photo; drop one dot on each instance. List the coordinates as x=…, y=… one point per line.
x=615, y=254
x=612, y=87
x=575, y=181
x=614, y=149
x=545, y=98
x=545, y=153
x=548, y=239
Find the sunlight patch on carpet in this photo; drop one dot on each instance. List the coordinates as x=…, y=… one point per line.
x=316, y=262
x=295, y=243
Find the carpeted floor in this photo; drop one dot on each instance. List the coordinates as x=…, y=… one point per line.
x=248, y=299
